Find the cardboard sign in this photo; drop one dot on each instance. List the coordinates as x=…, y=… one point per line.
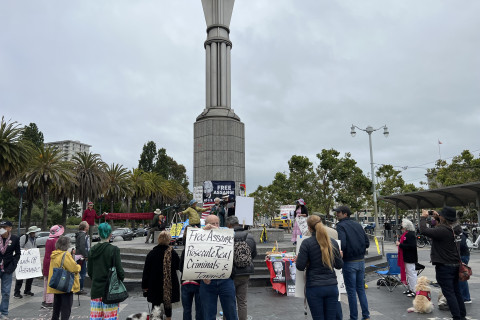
x=217, y=189
x=29, y=266
x=302, y=225
x=208, y=254
x=198, y=194
x=244, y=210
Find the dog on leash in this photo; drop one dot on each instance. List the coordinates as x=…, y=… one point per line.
x=156, y=315
x=423, y=299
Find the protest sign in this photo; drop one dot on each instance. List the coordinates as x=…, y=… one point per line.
x=208, y=254
x=290, y=274
x=217, y=189
x=29, y=265
x=198, y=194
x=302, y=225
x=244, y=210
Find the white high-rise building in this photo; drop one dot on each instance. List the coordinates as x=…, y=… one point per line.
x=69, y=147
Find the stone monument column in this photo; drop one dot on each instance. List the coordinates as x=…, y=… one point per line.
x=219, y=135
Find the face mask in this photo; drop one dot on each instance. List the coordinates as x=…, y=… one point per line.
x=2, y=231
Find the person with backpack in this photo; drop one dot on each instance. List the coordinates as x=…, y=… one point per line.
x=82, y=246
x=27, y=241
x=245, y=250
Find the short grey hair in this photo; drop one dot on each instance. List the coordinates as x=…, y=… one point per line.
x=63, y=243
x=408, y=225
x=231, y=221
x=83, y=225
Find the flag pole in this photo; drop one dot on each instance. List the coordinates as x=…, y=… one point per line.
x=439, y=153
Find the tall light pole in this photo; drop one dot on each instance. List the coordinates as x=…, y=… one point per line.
x=370, y=130
x=22, y=188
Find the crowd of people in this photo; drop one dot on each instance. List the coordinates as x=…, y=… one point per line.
x=319, y=255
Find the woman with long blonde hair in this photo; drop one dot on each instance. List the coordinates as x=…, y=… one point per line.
x=320, y=254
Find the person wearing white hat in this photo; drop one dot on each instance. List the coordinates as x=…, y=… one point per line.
x=27, y=241
x=158, y=224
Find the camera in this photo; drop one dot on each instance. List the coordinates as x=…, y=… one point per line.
x=430, y=212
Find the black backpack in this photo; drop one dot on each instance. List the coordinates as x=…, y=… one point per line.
x=242, y=255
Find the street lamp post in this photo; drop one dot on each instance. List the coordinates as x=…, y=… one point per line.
x=22, y=188
x=370, y=130
x=100, y=200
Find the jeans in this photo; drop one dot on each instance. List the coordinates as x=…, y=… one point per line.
x=463, y=285
x=83, y=272
x=353, y=276
x=241, y=289
x=19, y=283
x=447, y=278
x=323, y=302
x=224, y=289
x=6, y=279
x=189, y=291
x=62, y=305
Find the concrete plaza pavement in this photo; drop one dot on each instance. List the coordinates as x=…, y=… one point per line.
x=264, y=303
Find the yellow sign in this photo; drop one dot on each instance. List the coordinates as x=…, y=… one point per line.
x=378, y=248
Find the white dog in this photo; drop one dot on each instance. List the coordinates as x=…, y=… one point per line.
x=423, y=300
x=156, y=315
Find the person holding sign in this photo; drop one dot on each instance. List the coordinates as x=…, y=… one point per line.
x=192, y=212
x=218, y=209
x=9, y=256
x=159, y=279
x=321, y=254
x=27, y=241
x=354, y=242
x=211, y=290
x=300, y=211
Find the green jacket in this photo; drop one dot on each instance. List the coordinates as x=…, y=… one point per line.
x=193, y=216
x=99, y=262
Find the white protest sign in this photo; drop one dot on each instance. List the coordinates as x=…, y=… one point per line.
x=29, y=265
x=244, y=210
x=198, y=194
x=208, y=254
x=302, y=225
x=286, y=210
x=300, y=276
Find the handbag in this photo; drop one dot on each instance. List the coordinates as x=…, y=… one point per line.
x=62, y=280
x=464, y=271
x=115, y=290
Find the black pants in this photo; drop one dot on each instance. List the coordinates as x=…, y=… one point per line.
x=62, y=305
x=447, y=278
x=18, y=286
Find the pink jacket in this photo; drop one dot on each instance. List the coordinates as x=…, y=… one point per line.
x=49, y=248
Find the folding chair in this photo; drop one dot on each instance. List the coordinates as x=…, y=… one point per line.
x=389, y=277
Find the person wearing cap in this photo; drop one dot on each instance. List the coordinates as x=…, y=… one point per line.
x=354, y=242
x=89, y=215
x=300, y=211
x=158, y=224
x=27, y=241
x=192, y=212
x=55, y=232
x=445, y=256
x=9, y=256
x=218, y=209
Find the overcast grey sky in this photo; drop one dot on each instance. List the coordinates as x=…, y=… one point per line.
x=116, y=74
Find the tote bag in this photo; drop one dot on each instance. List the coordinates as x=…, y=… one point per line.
x=115, y=290
x=62, y=280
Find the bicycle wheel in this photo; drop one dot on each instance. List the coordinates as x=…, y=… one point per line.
x=420, y=242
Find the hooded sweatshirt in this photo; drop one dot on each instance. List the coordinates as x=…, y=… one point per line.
x=100, y=259
x=68, y=264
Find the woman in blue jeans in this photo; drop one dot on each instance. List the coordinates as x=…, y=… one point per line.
x=321, y=254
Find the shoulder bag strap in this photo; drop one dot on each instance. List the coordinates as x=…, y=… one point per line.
x=63, y=259
x=113, y=256
x=455, y=243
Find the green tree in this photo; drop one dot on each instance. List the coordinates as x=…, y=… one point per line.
x=14, y=153
x=464, y=168
x=47, y=170
x=117, y=182
x=90, y=174
x=169, y=169
x=147, y=158
x=32, y=134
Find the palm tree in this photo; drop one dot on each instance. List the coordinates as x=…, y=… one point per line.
x=90, y=173
x=45, y=170
x=14, y=152
x=117, y=183
x=139, y=185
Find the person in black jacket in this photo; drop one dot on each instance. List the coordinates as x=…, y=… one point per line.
x=321, y=254
x=9, y=256
x=407, y=252
x=445, y=257
x=82, y=246
x=160, y=280
x=465, y=256
x=354, y=243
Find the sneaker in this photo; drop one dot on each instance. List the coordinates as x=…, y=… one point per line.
x=407, y=292
x=4, y=317
x=47, y=305
x=411, y=295
x=29, y=293
x=467, y=301
x=82, y=292
x=18, y=296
